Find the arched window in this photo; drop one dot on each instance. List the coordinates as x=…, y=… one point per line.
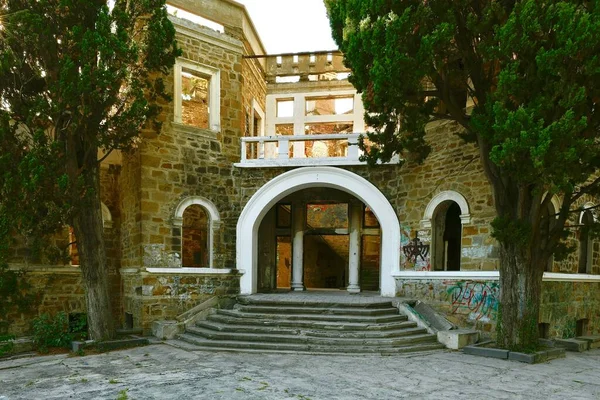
x=194, y=237
x=445, y=215
x=195, y=221
x=106, y=223
x=446, y=237
x=585, y=242
x=548, y=220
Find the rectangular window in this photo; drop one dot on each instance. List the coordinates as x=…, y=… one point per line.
x=284, y=216
x=194, y=99
x=197, y=95
x=285, y=108
x=328, y=128
x=284, y=129
x=330, y=105
x=328, y=216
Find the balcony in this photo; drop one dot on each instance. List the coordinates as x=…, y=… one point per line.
x=300, y=150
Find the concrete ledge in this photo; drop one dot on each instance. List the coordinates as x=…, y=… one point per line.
x=166, y=330
x=457, y=339
x=530, y=358
x=572, y=344
x=593, y=341
x=486, y=352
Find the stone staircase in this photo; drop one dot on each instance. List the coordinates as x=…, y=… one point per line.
x=256, y=324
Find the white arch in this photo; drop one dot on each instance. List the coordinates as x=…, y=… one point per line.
x=214, y=220
x=107, y=220
x=307, y=177
x=448, y=195
x=586, y=207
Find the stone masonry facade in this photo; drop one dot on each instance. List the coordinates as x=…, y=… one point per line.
x=144, y=190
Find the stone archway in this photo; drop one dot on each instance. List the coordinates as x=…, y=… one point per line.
x=307, y=177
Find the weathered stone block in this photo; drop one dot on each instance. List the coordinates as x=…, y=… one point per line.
x=167, y=329
x=573, y=344
x=486, y=352
x=459, y=338
x=592, y=340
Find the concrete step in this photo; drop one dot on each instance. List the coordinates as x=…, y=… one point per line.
x=250, y=300
x=292, y=310
x=315, y=317
x=409, y=328
x=234, y=324
x=204, y=343
x=411, y=336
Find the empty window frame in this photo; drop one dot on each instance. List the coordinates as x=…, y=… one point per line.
x=330, y=105
x=197, y=91
x=585, y=243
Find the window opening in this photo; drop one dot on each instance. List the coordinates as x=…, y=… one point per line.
x=195, y=252
x=585, y=243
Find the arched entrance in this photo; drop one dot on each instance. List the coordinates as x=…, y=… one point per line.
x=313, y=177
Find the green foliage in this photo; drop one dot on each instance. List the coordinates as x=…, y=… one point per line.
x=532, y=70
x=506, y=230
x=49, y=332
x=123, y=395
x=77, y=79
x=6, y=344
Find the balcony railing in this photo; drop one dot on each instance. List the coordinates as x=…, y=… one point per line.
x=296, y=150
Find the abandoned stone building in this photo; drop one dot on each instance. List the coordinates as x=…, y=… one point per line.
x=255, y=185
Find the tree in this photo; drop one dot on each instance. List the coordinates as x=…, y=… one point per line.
x=78, y=79
x=532, y=68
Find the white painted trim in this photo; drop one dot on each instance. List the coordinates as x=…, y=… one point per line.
x=107, y=220
x=586, y=206
x=214, y=220
x=561, y=277
x=556, y=203
x=451, y=275
x=214, y=90
x=192, y=271
x=448, y=195
x=289, y=182
x=489, y=275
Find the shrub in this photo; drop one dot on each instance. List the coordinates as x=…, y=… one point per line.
x=6, y=344
x=51, y=332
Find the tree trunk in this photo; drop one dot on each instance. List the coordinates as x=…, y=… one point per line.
x=88, y=227
x=520, y=295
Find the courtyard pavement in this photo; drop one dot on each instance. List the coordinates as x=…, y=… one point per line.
x=163, y=372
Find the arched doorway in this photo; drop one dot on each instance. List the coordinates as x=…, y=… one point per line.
x=314, y=177
x=339, y=243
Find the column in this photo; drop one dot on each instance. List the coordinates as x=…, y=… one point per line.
x=355, y=228
x=298, y=222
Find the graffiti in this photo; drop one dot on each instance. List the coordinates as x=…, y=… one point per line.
x=479, y=298
x=420, y=264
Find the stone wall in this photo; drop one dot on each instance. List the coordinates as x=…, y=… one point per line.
x=152, y=297
x=186, y=161
x=56, y=289
x=474, y=304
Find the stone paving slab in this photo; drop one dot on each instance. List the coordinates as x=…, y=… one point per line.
x=164, y=372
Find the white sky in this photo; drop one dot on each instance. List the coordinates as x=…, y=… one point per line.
x=291, y=26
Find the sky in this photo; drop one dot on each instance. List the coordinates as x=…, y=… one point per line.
x=291, y=26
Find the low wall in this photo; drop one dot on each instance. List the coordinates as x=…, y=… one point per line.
x=55, y=289
x=163, y=295
x=474, y=303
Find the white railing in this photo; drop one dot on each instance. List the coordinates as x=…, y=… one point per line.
x=289, y=150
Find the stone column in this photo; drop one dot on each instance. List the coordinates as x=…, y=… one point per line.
x=355, y=228
x=298, y=223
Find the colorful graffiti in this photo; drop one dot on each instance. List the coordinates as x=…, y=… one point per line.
x=479, y=299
